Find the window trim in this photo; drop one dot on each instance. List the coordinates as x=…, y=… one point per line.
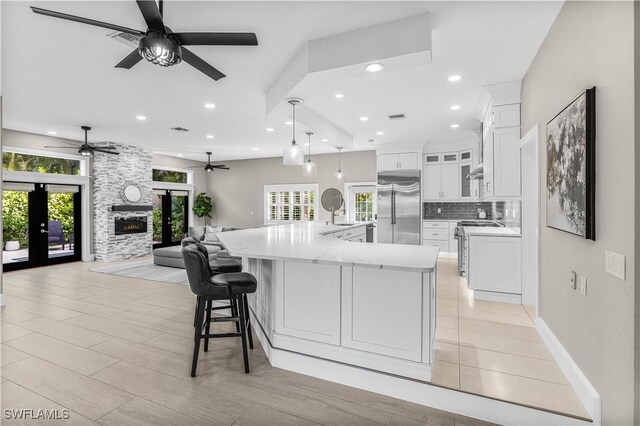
x=349, y=207
x=290, y=188
x=190, y=174
x=84, y=161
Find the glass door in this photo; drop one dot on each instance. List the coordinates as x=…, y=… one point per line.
x=170, y=218
x=41, y=224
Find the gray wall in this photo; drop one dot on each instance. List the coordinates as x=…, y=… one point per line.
x=637, y=197
x=238, y=193
x=591, y=44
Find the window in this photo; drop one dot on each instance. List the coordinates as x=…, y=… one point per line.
x=290, y=203
x=361, y=201
x=20, y=162
x=363, y=206
x=173, y=176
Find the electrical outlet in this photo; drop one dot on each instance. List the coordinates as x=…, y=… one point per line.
x=573, y=280
x=614, y=264
x=583, y=286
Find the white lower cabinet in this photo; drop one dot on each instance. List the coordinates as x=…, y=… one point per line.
x=440, y=233
x=494, y=264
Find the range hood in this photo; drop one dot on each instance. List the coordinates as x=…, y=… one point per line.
x=476, y=173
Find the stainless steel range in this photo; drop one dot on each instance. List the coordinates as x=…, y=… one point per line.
x=462, y=240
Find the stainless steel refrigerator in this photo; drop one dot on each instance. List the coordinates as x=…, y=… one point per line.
x=399, y=207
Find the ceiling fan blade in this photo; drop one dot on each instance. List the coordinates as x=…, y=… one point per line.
x=131, y=59
x=217, y=39
x=85, y=21
x=105, y=151
x=199, y=64
x=151, y=15
x=221, y=166
x=102, y=147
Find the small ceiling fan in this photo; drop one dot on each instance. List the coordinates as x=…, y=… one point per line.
x=86, y=149
x=161, y=46
x=210, y=167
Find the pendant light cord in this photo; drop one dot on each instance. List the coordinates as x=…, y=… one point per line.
x=339, y=159
x=294, y=123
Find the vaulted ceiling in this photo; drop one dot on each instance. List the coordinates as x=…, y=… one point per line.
x=58, y=75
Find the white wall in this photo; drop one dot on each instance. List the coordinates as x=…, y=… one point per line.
x=238, y=193
x=591, y=44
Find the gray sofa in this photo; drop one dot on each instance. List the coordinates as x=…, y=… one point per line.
x=172, y=256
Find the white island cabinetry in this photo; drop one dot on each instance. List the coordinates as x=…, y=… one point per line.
x=365, y=305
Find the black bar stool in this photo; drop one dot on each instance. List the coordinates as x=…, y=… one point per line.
x=228, y=286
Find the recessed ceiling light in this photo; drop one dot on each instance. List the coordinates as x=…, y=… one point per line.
x=51, y=132
x=180, y=155
x=209, y=136
x=307, y=144
x=141, y=117
x=455, y=77
x=270, y=129
x=324, y=140
x=288, y=123
x=210, y=106
x=374, y=67
x=454, y=107
x=254, y=149
x=455, y=126
x=339, y=95
x=364, y=118
x=380, y=133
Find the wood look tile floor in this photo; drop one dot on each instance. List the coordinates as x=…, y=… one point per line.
x=493, y=349
x=117, y=351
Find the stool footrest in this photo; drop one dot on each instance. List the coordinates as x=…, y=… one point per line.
x=210, y=335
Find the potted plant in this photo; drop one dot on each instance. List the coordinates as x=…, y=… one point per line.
x=202, y=206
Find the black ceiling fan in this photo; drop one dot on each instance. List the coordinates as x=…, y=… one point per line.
x=159, y=44
x=210, y=167
x=86, y=149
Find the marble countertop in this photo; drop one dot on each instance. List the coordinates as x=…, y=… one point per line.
x=491, y=231
x=333, y=228
x=306, y=242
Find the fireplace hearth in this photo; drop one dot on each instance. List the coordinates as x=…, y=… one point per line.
x=131, y=225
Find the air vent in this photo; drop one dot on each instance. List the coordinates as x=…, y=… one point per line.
x=397, y=117
x=179, y=129
x=129, y=40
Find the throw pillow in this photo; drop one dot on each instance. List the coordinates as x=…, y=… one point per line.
x=210, y=234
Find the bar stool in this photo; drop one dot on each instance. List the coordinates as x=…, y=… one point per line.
x=229, y=286
x=216, y=266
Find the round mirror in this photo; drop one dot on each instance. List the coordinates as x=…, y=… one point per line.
x=331, y=200
x=132, y=193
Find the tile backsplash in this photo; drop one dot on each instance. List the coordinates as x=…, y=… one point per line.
x=507, y=212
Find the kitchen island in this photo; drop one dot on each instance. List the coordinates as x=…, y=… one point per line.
x=362, y=305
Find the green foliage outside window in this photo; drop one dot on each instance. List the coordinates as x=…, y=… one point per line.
x=15, y=162
x=15, y=217
x=169, y=176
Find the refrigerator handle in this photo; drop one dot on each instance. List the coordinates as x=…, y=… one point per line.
x=393, y=207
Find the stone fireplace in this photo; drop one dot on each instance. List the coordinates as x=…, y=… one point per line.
x=111, y=175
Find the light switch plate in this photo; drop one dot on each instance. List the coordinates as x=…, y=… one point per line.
x=573, y=280
x=614, y=264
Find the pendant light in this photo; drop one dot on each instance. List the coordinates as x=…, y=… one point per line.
x=339, y=176
x=293, y=155
x=309, y=168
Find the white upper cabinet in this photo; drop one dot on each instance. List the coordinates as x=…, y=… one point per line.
x=441, y=180
x=501, y=152
x=401, y=161
x=506, y=116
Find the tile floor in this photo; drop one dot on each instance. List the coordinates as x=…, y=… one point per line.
x=493, y=349
x=117, y=351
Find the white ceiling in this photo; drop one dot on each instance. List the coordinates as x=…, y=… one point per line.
x=58, y=75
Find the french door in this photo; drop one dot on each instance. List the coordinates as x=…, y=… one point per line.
x=41, y=224
x=170, y=217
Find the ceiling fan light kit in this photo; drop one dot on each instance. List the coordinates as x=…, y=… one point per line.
x=309, y=168
x=293, y=154
x=160, y=49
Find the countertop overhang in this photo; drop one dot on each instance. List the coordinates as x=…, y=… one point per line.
x=312, y=242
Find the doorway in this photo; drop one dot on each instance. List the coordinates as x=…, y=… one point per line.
x=170, y=218
x=41, y=224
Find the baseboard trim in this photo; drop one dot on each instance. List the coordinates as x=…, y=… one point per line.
x=487, y=409
x=497, y=297
x=587, y=394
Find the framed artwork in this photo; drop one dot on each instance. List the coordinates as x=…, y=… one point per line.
x=571, y=167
